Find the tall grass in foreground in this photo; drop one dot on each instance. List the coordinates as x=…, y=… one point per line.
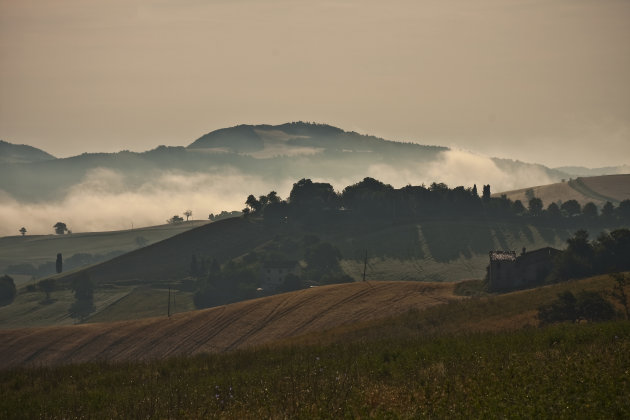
x=563, y=371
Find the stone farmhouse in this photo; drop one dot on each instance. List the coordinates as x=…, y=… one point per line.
x=507, y=271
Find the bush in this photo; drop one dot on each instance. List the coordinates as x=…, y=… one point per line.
x=589, y=306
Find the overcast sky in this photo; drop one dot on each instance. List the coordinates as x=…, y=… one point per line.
x=542, y=81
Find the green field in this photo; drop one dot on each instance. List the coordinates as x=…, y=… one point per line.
x=39, y=249
x=456, y=360
x=113, y=303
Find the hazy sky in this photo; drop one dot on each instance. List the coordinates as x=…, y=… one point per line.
x=542, y=81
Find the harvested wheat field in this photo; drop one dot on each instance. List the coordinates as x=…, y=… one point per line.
x=614, y=187
x=596, y=189
x=219, y=329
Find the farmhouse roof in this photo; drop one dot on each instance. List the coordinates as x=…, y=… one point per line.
x=502, y=255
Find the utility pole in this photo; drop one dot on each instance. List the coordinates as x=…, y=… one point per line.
x=364, y=265
x=169, y=301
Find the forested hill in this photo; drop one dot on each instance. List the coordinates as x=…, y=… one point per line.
x=296, y=135
x=21, y=153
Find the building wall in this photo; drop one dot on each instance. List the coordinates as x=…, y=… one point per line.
x=527, y=270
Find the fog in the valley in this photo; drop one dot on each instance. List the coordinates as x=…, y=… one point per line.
x=104, y=200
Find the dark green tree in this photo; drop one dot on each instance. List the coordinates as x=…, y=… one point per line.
x=308, y=196
x=588, y=305
x=535, y=206
x=47, y=286
x=577, y=261
x=7, y=290
x=253, y=204
x=273, y=198
x=22, y=230
x=590, y=210
x=592, y=307
x=59, y=263
x=623, y=211
x=83, y=305
x=571, y=208
x=608, y=211
x=561, y=309
x=60, y=228
x=486, y=193
x=553, y=212
x=518, y=208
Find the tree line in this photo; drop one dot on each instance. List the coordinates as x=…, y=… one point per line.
x=373, y=199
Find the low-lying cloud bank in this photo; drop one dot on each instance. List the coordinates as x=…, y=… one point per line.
x=103, y=200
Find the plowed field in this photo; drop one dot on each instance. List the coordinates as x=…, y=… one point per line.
x=219, y=329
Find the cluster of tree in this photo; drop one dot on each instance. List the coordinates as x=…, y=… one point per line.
x=178, y=219
x=241, y=278
x=224, y=215
x=587, y=305
x=221, y=285
x=175, y=220
x=371, y=198
x=7, y=290
x=61, y=228
x=609, y=253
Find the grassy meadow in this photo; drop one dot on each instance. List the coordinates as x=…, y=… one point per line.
x=562, y=371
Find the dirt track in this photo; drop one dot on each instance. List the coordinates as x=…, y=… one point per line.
x=218, y=329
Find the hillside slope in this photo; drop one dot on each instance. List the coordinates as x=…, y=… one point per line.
x=596, y=189
x=39, y=249
x=219, y=329
x=430, y=251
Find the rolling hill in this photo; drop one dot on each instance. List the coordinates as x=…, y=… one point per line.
x=136, y=284
x=431, y=251
x=40, y=249
x=326, y=315
x=596, y=189
x=235, y=326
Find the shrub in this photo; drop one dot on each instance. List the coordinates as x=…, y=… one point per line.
x=589, y=306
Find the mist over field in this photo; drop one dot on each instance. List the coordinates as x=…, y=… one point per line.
x=106, y=199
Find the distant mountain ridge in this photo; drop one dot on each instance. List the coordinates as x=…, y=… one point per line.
x=21, y=153
x=251, y=138
x=256, y=159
